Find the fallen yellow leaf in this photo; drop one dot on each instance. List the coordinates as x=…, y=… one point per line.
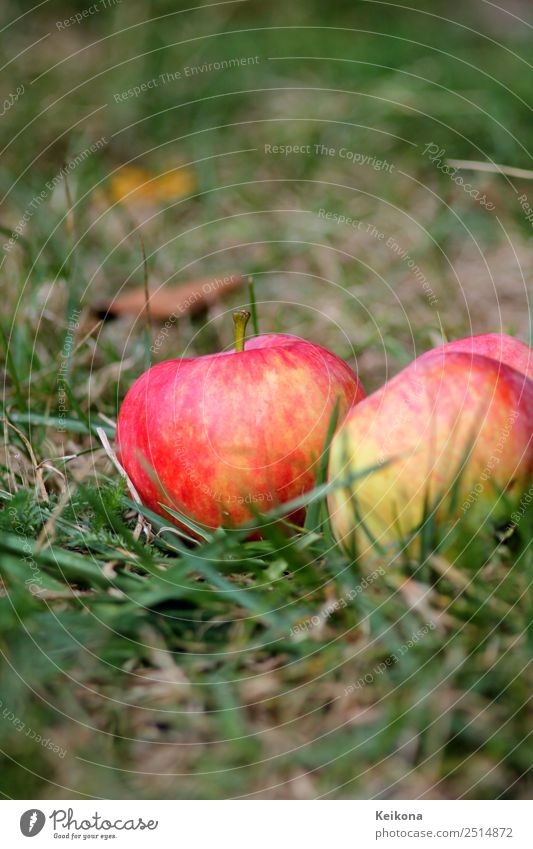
x=133, y=184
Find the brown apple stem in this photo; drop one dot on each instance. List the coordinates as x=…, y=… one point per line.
x=240, y=320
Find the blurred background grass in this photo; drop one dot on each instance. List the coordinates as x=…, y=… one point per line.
x=166, y=691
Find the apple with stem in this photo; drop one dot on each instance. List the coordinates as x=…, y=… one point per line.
x=449, y=435
x=222, y=437
x=497, y=346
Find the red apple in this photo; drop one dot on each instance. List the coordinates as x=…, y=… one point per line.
x=221, y=437
x=448, y=433
x=497, y=346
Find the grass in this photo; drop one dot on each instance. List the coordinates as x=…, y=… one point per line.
x=162, y=668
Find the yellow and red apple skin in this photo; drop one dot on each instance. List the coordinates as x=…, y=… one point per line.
x=498, y=346
x=221, y=437
x=453, y=430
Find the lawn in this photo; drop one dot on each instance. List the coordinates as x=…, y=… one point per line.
x=307, y=145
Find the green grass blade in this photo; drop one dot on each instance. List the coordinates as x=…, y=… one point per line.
x=253, y=305
x=314, y=509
